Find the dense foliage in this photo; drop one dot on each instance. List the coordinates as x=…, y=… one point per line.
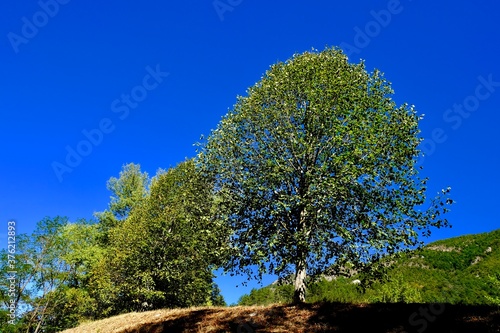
x=159, y=255
x=316, y=168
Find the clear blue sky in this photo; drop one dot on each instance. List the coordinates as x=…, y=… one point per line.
x=153, y=76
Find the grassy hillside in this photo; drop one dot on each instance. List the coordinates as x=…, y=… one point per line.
x=461, y=270
x=307, y=318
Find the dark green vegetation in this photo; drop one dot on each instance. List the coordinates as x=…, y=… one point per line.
x=462, y=270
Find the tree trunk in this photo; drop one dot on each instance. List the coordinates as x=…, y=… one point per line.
x=299, y=293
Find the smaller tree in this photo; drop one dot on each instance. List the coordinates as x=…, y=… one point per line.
x=159, y=255
x=45, y=256
x=40, y=271
x=23, y=291
x=77, y=297
x=53, y=267
x=128, y=191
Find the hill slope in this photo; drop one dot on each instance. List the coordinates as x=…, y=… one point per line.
x=308, y=318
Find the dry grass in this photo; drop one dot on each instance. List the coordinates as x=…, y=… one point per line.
x=307, y=318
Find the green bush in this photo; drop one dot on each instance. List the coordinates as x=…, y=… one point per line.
x=495, y=283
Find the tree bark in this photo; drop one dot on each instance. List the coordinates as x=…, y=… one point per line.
x=299, y=293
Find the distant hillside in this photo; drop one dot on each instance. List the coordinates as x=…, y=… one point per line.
x=460, y=270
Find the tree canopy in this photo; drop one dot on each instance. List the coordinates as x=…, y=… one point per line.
x=315, y=168
x=159, y=254
x=129, y=190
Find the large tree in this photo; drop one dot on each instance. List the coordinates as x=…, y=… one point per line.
x=316, y=168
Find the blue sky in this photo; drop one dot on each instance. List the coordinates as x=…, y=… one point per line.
x=121, y=81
